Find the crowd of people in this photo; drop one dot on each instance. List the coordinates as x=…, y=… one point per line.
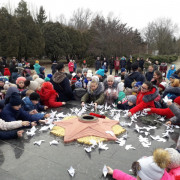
x=26, y=91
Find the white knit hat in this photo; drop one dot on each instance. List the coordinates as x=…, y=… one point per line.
x=175, y=158
x=149, y=169
x=89, y=75
x=40, y=81
x=33, y=85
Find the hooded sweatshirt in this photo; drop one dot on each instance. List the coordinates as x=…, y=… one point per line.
x=171, y=71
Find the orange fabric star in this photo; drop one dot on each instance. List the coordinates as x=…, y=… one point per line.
x=75, y=129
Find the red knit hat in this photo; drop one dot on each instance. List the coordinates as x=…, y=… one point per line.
x=47, y=85
x=177, y=100
x=7, y=72
x=20, y=79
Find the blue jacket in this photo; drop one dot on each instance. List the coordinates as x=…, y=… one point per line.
x=11, y=134
x=9, y=114
x=36, y=68
x=170, y=72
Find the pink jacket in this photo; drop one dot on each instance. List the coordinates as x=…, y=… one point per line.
x=119, y=175
x=10, y=125
x=71, y=66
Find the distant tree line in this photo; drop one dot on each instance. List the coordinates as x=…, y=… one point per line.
x=24, y=33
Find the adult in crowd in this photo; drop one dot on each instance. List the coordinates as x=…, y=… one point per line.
x=149, y=74
x=111, y=64
x=129, y=63
x=123, y=62
x=116, y=65
x=61, y=84
x=141, y=63
x=145, y=97
x=134, y=76
x=97, y=64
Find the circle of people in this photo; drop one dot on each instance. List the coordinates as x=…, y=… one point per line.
x=26, y=91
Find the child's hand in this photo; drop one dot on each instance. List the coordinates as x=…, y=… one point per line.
x=25, y=123
x=82, y=104
x=63, y=103
x=33, y=112
x=169, y=103
x=129, y=114
x=168, y=123
x=119, y=102
x=34, y=124
x=45, y=107
x=47, y=115
x=43, y=121
x=147, y=109
x=20, y=133
x=110, y=170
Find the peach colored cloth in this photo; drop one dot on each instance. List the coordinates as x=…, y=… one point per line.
x=75, y=129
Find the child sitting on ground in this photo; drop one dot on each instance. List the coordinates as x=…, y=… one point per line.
x=128, y=104
x=49, y=96
x=42, y=72
x=13, y=111
x=151, y=168
x=20, y=83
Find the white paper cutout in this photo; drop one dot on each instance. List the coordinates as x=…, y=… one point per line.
x=71, y=171
x=38, y=142
x=53, y=142
x=105, y=171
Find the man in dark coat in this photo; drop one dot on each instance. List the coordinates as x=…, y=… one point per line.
x=134, y=76
x=61, y=84
x=111, y=64
x=98, y=64
x=149, y=74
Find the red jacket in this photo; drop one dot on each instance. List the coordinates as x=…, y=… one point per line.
x=163, y=112
x=48, y=95
x=71, y=66
x=7, y=72
x=145, y=100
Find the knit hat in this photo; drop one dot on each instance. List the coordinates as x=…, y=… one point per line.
x=95, y=78
x=85, y=70
x=132, y=98
x=149, y=169
x=34, y=96
x=89, y=75
x=100, y=72
x=2, y=79
x=33, y=85
x=20, y=79
x=123, y=69
x=46, y=79
x=7, y=72
x=78, y=84
x=177, y=100
x=90, y=71
x=41, y=69
x=47, y=85
x=163, y=85
x=37, y=61
x=10, y=91
x=79, y=71
x=175, y=158
x=15, y=99
x=49, y=76
x=39, y=80
x=73, y=74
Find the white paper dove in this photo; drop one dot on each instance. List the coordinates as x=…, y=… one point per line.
x=53, y=142
x=127, y=147
x=102, y=146
x=51, y=126
x=105, y=171
x=49, y=121
x=166, y=99
x=144, y=141
x=121, y=141
x=44, y=128
x=38, y=142
x=158, y=138
x=71, y=171
x=93, y=142
x=111, y=133
x=53, y=114
x=88, y=149
x=31, y=132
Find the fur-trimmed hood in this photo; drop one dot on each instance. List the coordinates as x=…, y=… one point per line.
x=172, y=90
x=99, y=90
x=114, y=85
x=151, y=95
x=58, y=77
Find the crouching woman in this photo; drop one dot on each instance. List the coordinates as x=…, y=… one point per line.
x=95, y=93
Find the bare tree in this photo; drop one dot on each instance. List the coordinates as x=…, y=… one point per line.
x=81, y=19
x=61, y=19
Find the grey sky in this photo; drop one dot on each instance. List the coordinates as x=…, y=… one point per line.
x=136, y=13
